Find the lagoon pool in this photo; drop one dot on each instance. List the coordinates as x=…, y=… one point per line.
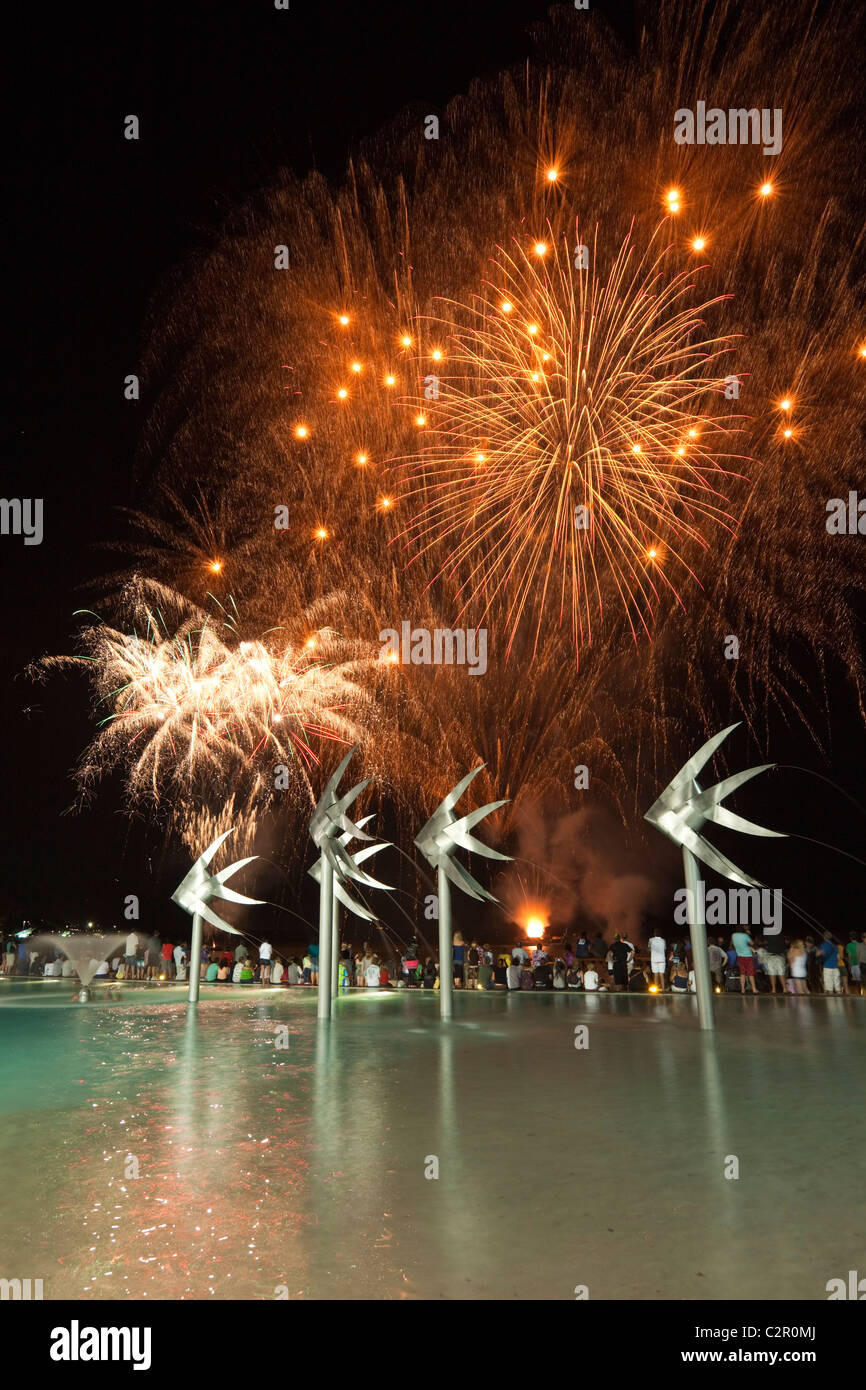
x=279, y=1157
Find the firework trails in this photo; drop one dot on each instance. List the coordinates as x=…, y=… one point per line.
x=554, y=373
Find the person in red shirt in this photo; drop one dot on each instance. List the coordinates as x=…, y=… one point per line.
x=168, y=960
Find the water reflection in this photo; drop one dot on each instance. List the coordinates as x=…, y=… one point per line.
x=260, y=1167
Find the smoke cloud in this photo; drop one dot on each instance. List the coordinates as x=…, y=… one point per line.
x=581, y=872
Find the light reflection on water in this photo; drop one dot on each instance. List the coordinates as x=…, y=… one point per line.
x=304, y=1168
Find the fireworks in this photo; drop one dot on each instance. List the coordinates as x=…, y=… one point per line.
x=556, y=388
x=589, y=402
x=205, y=727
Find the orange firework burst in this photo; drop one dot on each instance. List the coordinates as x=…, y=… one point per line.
x=590, y=402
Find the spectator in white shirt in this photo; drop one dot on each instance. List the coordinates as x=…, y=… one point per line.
x=131, y=953
x=266, y=951
x=658, y=949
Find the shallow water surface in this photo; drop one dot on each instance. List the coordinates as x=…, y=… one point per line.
x=262, y=1167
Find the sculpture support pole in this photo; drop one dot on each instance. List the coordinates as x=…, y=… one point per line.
x=698, y=932
x=335, y=947
x=195, y=960
x=326, y=898
x=446, y=971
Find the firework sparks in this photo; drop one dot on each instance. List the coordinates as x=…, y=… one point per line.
x=580, y=400
x=682, y=541
x=203, y=724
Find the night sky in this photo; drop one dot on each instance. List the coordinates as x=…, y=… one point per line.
x=225, y=94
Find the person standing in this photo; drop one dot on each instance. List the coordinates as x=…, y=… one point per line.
x=718, y=960
x=131, y=949
x=658, y=949
x=473, y=960
x=742, y=944
x=852, y=960
x=620, y=952
x=797, y=961
x=829, y=954
x=266, y=952
x=582, y=946
x=843, y=969
x=774, y=967
x=154, y=955
x=521, y=955
x=814, y=967
x=167, y=949
x=861, y=961
x=458, y=950
x=410, y=965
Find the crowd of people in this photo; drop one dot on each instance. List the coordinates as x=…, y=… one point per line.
x=769, y=965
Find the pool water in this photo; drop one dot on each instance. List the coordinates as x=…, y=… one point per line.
x=267, y=1171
